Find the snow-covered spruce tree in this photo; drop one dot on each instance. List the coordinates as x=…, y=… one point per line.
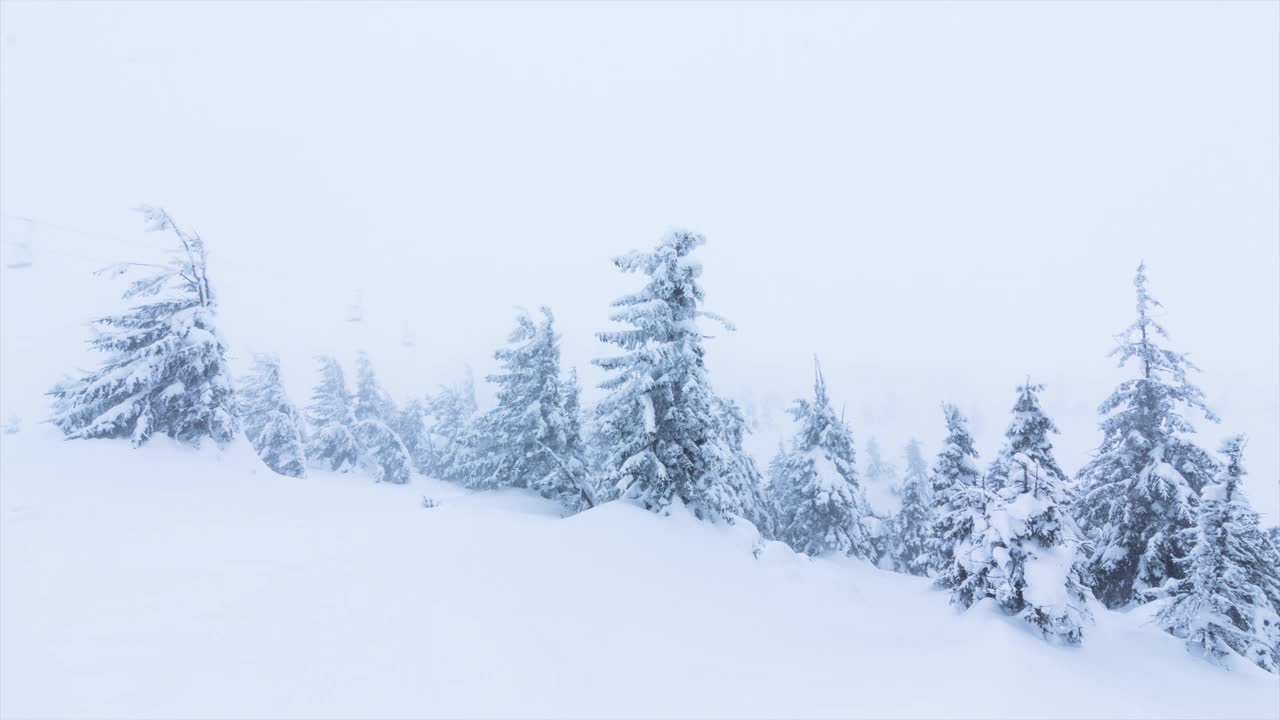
x=657, y=420
x=416, y=434
x=959, y=502
x=574, y=453
x=382, y=451
x=911, y=530
x=748, y=497
x=523, y=442
x=880, y=472
x=452, y=411
x=1229, y=601
x=1032, y=539
x=271, y=421
x=1137, y=496
x=370, y=401
x=1273, y=534
x=822, y=507
x=166, y=370
x=1039, y=568
x=880, y=487
x=332, y=441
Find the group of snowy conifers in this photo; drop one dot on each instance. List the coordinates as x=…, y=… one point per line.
x=1151, y=517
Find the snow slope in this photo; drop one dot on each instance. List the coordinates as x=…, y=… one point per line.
x=167, y=582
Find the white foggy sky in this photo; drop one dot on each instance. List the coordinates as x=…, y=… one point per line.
x=938, y=199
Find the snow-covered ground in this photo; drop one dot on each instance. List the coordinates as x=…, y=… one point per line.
x=166, y=582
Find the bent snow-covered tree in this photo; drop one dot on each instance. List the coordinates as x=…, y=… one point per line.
x=657, y=419
x=911, y=530
x=332, y=442
x=166, y=370
x=1229, y=601
x=271, y=421
x=525, y=441
x=382, y=451
x=1138, y=495
x=822, y=508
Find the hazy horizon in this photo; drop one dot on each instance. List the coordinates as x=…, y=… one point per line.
x=937, y=200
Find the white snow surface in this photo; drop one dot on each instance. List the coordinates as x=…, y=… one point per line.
x=167, y=582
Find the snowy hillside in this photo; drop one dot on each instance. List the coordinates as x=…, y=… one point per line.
x=164, y=584
x=171, y=582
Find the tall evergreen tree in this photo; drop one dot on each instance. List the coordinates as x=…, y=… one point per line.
x=1228, y=603
x=332, y=442
x=911, y=530
x=271, y=421
x=524, y=441
x=960, y=501
x=657, y=419
x=166, y=370
x=822, y=508
x=1138, y=494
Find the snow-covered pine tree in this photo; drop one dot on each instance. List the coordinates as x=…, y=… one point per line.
x=1032, y=539
x=1273, y=534
x=382, y=451
x=1137, y=496
x=879, y=471
x=523, y=442
x=452, y=411
x=332, y=441
x=271, y=421
x=657, y=420
x=748, y=497
x=166, y=370
x=822, y=506
x=574, y=452
x=959, y=501
x=880, y=487
x=1229, y=601
x=370, y=401
x=414, y=431
x=911, y=531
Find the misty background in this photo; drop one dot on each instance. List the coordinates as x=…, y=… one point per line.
x=939, y=200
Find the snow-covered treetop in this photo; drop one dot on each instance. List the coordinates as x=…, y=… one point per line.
x=185, y=271
x=1160, y=366
x=667, y=306
x=819, y=425
x=1029, y=431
